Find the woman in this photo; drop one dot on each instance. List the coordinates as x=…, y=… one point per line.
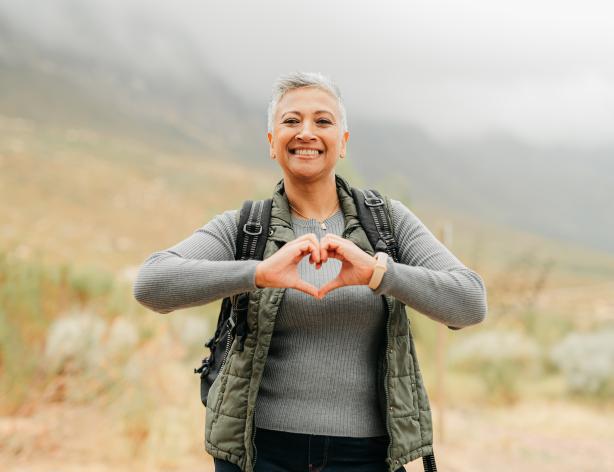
x=327, y=379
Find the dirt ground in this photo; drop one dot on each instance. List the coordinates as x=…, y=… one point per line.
x=558, y=436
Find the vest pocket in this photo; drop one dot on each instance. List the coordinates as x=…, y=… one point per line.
x=403, y=399
x=214, y=400
x=213, y=391
x=402, y=359
x=404, y=395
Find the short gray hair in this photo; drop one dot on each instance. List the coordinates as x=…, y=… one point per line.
x=296, y=80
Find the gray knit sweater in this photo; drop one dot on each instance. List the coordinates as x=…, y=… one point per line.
x=320, y=375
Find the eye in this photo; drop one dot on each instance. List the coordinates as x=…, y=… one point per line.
x=290, y=121
x=324, y=121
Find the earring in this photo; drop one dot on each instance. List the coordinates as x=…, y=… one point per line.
x=341, y=156
x=273, y=157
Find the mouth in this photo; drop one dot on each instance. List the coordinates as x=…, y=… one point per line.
x=305, y=152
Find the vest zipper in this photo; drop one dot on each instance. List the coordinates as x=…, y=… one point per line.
x=228, y=340
x=386, y=376
x=226, y=351
x=254, y=439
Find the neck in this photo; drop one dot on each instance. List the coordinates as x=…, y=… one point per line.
x=312, y=199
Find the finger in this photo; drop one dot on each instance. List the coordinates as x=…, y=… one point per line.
x=314, y=252
x=323, y=251
x=344, y=249
x=333, y=251
x=304, y=248
x=312, y=238
x=327, y=246
x=306, y=288
x=332, y=285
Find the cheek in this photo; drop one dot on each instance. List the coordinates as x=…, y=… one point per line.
x=334, y=142
x=282, y=138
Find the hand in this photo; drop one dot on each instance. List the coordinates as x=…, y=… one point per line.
x=356, y=265
x=280, y=270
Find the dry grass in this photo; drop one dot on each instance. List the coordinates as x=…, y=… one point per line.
x=80, y=211
x=107, y=203
x=532, y=436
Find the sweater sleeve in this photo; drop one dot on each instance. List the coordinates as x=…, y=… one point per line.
x=196, y=271
x=429, y=278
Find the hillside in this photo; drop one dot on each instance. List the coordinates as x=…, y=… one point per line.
x=74, y=198
x=75, y=195
x=78, y=195
x=559, y=193
x=182, y=108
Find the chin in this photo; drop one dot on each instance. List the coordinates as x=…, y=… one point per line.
x=310, y=174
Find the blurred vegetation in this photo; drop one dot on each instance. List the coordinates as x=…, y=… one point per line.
x=71, y=332
x=515, y=347
x=548, y=334
x=32, y=295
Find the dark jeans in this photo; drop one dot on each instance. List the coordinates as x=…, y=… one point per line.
x=277, y=451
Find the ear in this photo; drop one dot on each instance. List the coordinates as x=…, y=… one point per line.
x=270, y=138
x=344, y=141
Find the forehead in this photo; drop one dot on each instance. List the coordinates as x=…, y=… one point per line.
x=308, y=100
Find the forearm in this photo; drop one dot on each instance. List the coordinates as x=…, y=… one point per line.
x=429, y=278
x=197, y=270
x=168, y=282
x=456, y=298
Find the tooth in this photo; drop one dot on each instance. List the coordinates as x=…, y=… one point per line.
x=305, y=152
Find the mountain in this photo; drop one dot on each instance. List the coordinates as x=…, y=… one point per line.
x=560, y=193
x=180, y=108
x=185, y=108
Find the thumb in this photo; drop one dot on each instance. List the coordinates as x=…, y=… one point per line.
x=332, y=285
x=306, y=287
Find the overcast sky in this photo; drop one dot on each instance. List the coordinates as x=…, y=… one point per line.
x=542, y=70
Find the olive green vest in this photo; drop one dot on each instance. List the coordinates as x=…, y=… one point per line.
x=230, y=429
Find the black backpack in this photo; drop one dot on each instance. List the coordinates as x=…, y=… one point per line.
x=253, y=229
x=252, y=234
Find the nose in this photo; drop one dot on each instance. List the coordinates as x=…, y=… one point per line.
x=306, y=132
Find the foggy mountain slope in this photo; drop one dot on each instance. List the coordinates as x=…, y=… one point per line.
x=561, y=193
x=180, y=105
x=183, y=109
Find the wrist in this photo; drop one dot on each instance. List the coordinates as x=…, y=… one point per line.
x=259, y=278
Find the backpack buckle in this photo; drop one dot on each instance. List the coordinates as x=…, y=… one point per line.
x=253, y=229
x=373, y=201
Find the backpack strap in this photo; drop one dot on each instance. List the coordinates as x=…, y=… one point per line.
x=428, y=462
x=253, y=229
x=375, y=220
x=252, y=233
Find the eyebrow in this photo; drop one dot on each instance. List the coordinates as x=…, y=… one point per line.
x=316, y=112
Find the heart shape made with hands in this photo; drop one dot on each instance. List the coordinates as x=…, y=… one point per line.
x=281, y=269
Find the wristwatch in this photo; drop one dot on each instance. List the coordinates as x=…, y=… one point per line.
x=381, y=265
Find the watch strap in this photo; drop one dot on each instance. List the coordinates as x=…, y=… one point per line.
x=381, y=265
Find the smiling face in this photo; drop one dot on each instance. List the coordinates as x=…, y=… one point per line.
x=307, y=136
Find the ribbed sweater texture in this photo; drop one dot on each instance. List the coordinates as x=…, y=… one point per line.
x=320, y=375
